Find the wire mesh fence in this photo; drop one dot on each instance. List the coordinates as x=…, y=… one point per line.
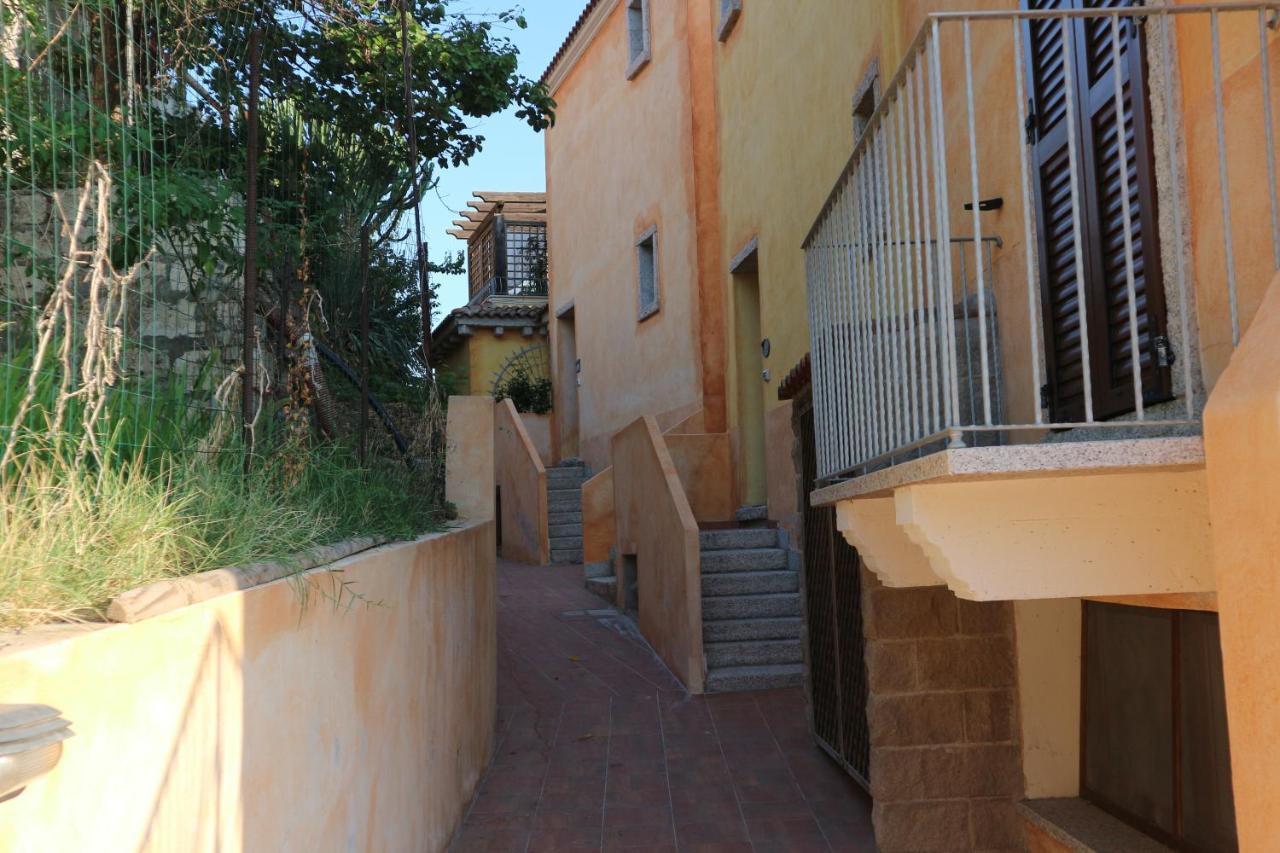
x=127, y=128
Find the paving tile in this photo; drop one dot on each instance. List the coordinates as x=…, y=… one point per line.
x=600, y=749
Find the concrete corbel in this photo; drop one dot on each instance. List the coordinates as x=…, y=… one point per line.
x=870, y=525
x=1064, y=537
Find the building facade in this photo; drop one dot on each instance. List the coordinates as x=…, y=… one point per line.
x=984, y=291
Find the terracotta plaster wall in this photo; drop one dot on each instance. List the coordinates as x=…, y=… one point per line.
x=250, y=722
x=469, y=473
x=1246, y=173
x=657, y=526
x=522, y=483
x=705, y=465
x=539, y=429
x=623, y=157
x=599, y=532
x=1242, y=447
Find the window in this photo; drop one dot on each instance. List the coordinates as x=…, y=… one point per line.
x=638, y=35
x=864, y=101
x=730, y=11
x=647, y=273
x=1155, y=750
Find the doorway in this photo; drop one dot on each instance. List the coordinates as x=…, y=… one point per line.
x=749, y=363
x=568, y=378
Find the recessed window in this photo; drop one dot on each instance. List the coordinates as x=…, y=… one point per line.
x=730, y=11
x=647, y=273
x=641, y=49
x=864, y=103
x=1155, y=724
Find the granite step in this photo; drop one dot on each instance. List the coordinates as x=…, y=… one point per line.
x=751, y=606
x=737, y=539
x=568, y=555
x=605, y=587
x=567, y=475
x=600, y=569
x=771, y=677
x=753, y=653
x=738, y=630
x=566, y=543
x=748, y=583
x=557, y=530
x=564, y=501
x=751, y=514
x=744, y=560
x=564, y=516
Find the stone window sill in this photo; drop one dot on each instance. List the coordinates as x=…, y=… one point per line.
x=1081, y=827
x=639, y=63
x=648, y=311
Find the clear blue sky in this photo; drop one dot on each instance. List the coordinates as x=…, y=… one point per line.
x=513, y=155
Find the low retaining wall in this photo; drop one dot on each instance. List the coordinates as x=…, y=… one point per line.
x=362, y=719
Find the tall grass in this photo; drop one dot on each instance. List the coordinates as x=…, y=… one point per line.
x=110, y=480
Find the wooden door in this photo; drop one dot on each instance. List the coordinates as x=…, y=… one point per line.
x=1089, y=94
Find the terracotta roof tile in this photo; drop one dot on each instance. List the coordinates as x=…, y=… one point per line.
x=573, y=34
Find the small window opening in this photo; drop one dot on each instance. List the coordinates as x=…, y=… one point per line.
x=730, y=11
x=647, y=273
x=638, y=35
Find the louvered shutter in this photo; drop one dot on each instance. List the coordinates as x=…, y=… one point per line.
x=1101, y=212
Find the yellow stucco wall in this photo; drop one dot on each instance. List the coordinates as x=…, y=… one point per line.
x=621, y=159
x=250, y=723
x=487, y=353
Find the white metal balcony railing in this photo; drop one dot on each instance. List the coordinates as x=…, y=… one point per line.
x=906, y=337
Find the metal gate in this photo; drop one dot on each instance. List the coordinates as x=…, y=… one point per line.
x=837, y=672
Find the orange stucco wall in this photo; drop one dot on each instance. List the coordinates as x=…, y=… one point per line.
x=624, y=156
x=250, y=722
x=521, y=479
x=1242, y=448
x=657, y=526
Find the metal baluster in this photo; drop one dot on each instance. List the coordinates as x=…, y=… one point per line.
x=1033, y=313
x=1223, y=180
x=1076, y=209
x=977, y=225
x=944, y=233
x=913, y=169
x=1175, y=177
x=929, y=254
x=1135, y=349
x=1264, y=53
x=902, y=318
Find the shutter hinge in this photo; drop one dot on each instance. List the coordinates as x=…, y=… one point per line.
x=1165, y=356
x=1031, y=121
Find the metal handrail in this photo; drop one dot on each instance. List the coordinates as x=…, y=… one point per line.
x=886, y=351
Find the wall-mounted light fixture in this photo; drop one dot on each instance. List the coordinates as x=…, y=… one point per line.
x=31, y=739
x=766, y=347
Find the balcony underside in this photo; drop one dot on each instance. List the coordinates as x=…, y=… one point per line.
x=1107, y=518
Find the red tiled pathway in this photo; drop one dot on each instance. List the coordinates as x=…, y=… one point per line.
x=599, y=747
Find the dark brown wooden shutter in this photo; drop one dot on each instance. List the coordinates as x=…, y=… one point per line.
x=1101, y=211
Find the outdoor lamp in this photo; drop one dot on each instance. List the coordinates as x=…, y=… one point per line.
x=31, y=739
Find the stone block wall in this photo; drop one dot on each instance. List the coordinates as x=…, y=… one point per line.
x=945, y=758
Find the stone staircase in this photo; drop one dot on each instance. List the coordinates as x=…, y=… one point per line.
x=751, y=616
x=564, y=510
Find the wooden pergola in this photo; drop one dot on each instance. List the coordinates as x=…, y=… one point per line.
x=520, y=207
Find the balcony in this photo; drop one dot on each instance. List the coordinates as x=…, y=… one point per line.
x=507, y=251
x=1046, y=244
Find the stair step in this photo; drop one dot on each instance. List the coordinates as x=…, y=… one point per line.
x=753, y=653
x=751, y=606
x=772, y=677
x=568, y=555
x=575, y=473
x=557, y=487
x=737, y=539
x=748, y=514
x=737, y=630
x=555, y=530
x=564, y=502
x=566, y=543
x=598, y=570
x=557, y=517
x=749, y=583
x=605, y=587
x=744, y=560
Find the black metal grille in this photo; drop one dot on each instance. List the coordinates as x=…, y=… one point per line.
x=526, y=266
x=837, y=676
